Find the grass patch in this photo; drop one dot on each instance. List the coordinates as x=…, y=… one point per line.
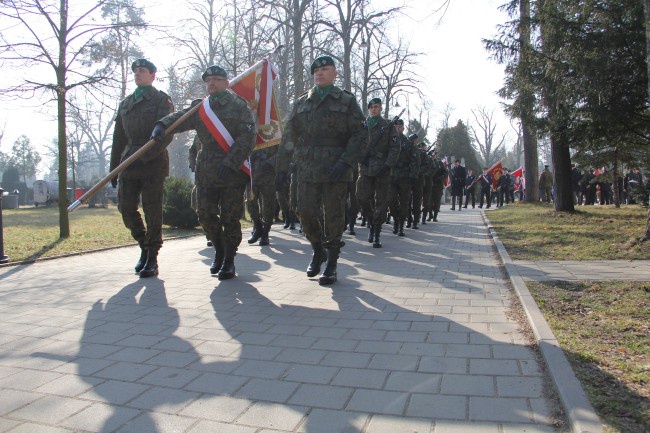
x=604, y=328
x=31, y=233
x=536, y=232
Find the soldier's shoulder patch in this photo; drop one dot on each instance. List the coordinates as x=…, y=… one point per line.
x=364, y=124
x=250, y=127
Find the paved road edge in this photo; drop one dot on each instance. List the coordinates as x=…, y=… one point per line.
x=580, y=413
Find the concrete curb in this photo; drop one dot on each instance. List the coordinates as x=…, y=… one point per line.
x=580, y=413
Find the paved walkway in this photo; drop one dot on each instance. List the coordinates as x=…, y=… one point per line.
x=415, y=337
x=573, y=270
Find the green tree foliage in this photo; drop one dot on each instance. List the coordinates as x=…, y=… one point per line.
x=25, y=157
x=177, y=209
x=455, y=142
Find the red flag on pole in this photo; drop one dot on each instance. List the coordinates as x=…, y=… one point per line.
x=518, y=172
x=495, y=171
x=256, y=86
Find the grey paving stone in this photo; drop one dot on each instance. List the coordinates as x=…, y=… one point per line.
x=216, y=383
x=377, y=401
x=362, y=378
x=115, y=392
x=49, y=409
x=216, y=408
x=28, y=379
x=100, y=418
x=166, y=400
x=346, y=359
x=499, y=409
x=301, y=356
x=394, y=362
x=322, y=396
x=501, y=367
x=267, y=390
x=446, y=426
x=262, y=369
x=310, y=373
x=275, y=416
x=437, y=406
x=32, y=427
x=125, y=371
x=213, y=427
x=436, y=364
x=460, y=384
x=414, y=382
x=14, y=399
x=520, y=386
x=155, y=422
x=329, y=421
x=394, y=424
x=133, y=354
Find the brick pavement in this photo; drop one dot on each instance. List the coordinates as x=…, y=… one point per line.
x=574, y=270
x=414, y=337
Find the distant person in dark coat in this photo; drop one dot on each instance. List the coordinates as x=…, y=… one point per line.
x=458, y=180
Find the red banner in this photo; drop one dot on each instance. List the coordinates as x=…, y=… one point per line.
x=256, y=86
x=518, y=172
x=495, y=171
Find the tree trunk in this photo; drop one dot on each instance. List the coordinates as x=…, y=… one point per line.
x=646, y=11
x=529, y=134
x=561, y=157
x=64, y=223
x=298, y=73
x=615, y=184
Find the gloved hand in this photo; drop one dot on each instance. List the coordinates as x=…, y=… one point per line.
x=225, y=173
x=114, y=182
x=158, y=132
x=280, y=180
x=338, y=171
x=383, y=170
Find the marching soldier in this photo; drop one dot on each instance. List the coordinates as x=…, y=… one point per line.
x=437, y=183
x=379, y=155
x=486, y=186
x=458, y=179
x=226, y=128
x=469, y=189
x=323, y=135
x=546, y=184
x=427, y=169
x=403, y=175
x=135, y=118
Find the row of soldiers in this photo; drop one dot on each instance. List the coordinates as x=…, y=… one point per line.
x=330, y=158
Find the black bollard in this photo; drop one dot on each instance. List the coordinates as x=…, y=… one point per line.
x=3, y=258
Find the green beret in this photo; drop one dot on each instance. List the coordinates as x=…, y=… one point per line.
x=320, y=62
x=143, y=63
x=214, y=71
x=374, y=101
x=399, y=122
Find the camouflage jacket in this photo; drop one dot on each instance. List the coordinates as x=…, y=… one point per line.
x=263, y=165
x=235, y=115
x=408, y=162
x=318, y=133
x=379, y=151
x=426, y=164
x=133, y=125
x=439, y=171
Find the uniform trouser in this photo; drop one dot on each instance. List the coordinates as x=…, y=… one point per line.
x=437, y=189
x=352, y=202
x=219, y=210
x=372, y=193
x=283, y=200
x=261, y=202
x=547, y=194
x=426, y=195
x=324, y=201
x=470, y=193
x=293, y=193
x=151, y=190
x=503, y=194
x=400, y=197
x=417, y=198
x=485, y=193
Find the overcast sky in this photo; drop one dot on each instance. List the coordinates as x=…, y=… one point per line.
x=455, y=67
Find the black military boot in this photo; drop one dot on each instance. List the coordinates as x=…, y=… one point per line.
x=371, y=233
x=256, y=234
x=435, y=216
x=387, y=218
x=351, y=231
x=144, y=254
x=409, y=221
x=329, y=274
x=401, y=228
x=227, y=271
x=319, y=256
x=219, y=254
x=264, y=238
x=424, y=218
x=151, y=267
x=292, y=222
x=376, y=243
x=363, y=221
x=430, y=216
x=396, y=227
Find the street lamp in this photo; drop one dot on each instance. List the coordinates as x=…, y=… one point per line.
x=408, y=108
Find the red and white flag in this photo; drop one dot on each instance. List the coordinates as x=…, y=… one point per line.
x=518, y=172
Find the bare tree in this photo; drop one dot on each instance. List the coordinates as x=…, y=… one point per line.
x=94, y=119
x=55, y=36
x=484, y=135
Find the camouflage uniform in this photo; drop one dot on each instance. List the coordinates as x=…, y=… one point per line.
x=219, y=201
x=437, y=185
x=373, y=185
x=427, y=173
x=319, y=134
x=145, y=177
x=546, y=184
x=404, y=174
x=260, y=199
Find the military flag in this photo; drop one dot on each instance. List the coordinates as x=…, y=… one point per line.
x=255, y=85
x=518, y=172
x=495, y=171
x=447, y=180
